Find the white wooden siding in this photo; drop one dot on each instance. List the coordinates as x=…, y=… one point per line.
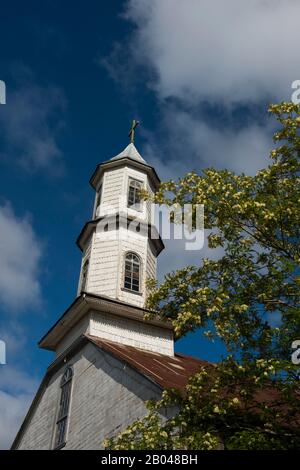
x=132, y=333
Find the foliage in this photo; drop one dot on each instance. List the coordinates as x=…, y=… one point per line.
x=231, y=406
x=253, y=285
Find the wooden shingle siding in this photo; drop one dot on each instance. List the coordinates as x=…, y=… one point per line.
x=106, y=397
x=132, y=333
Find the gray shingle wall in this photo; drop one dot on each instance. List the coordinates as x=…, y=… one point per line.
x=107, y=395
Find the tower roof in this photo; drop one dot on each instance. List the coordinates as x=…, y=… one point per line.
x=129, y=155
x=130, y=152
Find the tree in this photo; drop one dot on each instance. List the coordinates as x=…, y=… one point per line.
x=251, y=399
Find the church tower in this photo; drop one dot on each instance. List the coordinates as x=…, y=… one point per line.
x=108, y=359
x=120, y=244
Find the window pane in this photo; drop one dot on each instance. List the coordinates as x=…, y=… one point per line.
x=65, y=397
x=61, y=432
x=85, y=269
x=64, y=404
x=133, y=194
x=132, y=272
x=99, y=196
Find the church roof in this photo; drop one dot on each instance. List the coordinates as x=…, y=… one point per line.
x=130, y=152
x=129, y=155
x=165, y=371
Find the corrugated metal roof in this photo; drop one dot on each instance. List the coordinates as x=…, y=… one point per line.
x=166, y=371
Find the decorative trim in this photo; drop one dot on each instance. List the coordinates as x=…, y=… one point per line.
x=123, y=162
x=141, y=269
x=90, y=227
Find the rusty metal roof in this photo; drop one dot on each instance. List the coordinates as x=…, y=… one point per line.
x=166, y=371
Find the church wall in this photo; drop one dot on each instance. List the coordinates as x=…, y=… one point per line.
x=107, y=395
x=39, y=430
x=107, y=264
x=150, y=190
x=104, y=262
x=132, y=333
x=86, y=254
x=112, y=190
x=115, y=192
x=82, y=327
x=151, y=263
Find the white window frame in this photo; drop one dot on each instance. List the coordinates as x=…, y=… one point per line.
x=137, y=206
x=128, y=289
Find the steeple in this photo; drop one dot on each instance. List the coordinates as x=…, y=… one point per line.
x=118, y=255
x=119, y=248
x=130, y=152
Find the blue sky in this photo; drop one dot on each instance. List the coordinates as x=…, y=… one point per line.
x=199, y=79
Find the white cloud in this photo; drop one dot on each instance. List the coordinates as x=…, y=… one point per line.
x=191, y=144
x=20, y=254
x=182, y=248
x=30, y=123
x=13, y=380
x=175, y=256
x=216, y=55
x=12, y=411
x=16, y=393
x=17, y=387
x=14, y=336
x=213, y=66
x=228, y=51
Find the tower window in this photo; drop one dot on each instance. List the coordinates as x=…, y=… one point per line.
x=63, y=411
x=98, y=199
x=134, y=198
x=132, y=272
x=84, y=275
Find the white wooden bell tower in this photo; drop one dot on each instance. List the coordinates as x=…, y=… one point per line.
x=119, y=248
x=120, y=244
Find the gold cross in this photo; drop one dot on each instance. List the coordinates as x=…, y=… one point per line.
x=132, y=130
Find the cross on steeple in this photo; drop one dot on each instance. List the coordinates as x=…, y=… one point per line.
x=132, y=130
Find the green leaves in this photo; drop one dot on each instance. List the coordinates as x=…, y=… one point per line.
x=230, y=405
x=252, y=402
x=256, y=220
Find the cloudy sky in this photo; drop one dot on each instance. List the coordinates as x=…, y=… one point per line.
x=198, y=74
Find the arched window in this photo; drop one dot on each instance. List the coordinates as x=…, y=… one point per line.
x=63, y=411
x=84, y=275
x=134, y=198
x=98, y=201
x=132, y=272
